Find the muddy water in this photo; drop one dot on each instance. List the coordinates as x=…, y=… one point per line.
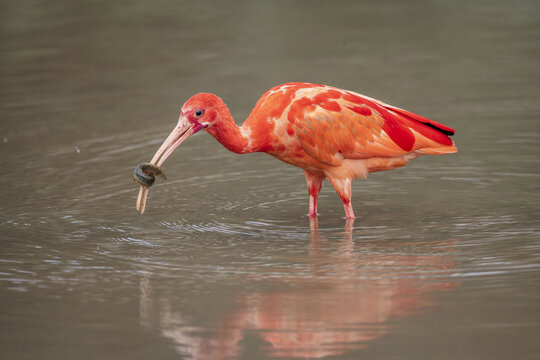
x=442, y=262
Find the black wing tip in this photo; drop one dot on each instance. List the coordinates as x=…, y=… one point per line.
x=446, y=132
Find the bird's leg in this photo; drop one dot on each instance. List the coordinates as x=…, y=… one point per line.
x=343, y=189
x=314, y=184
x=349, y=213
x=314, y=225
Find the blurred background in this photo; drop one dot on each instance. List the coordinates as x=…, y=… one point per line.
x=442, y=261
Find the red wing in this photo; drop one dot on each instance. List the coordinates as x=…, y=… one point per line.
x=331, y=137
x=430, y=123
x=336, y=125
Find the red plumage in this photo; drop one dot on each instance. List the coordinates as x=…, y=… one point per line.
x=328, y=132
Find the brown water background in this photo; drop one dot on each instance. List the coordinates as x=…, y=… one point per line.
x=442, y=261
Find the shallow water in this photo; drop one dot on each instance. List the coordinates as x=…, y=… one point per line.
x=442, y=261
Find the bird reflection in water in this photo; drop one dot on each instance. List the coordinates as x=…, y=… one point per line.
x=349, y=298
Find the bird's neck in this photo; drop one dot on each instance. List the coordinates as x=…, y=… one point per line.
x=230, y=135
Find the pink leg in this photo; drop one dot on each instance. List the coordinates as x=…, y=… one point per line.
x=314, y=184
x=343, y=189
x=349, y=213
x=312, y=206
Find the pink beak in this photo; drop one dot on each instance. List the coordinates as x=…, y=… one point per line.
x=178, y=135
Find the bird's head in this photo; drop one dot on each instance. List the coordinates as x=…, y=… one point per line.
x=201, y=111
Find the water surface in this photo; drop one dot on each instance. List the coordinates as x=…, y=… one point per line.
x=442, y=261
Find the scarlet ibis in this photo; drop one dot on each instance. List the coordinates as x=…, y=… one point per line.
x=328, y=132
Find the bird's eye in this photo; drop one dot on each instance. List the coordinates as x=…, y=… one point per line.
x=198, y=113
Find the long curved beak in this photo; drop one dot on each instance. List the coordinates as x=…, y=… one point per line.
x=178, y=135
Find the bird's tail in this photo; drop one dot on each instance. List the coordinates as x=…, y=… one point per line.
x=437, y=150
x=432, y=138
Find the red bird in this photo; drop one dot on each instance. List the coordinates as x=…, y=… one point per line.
x=329, y=132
